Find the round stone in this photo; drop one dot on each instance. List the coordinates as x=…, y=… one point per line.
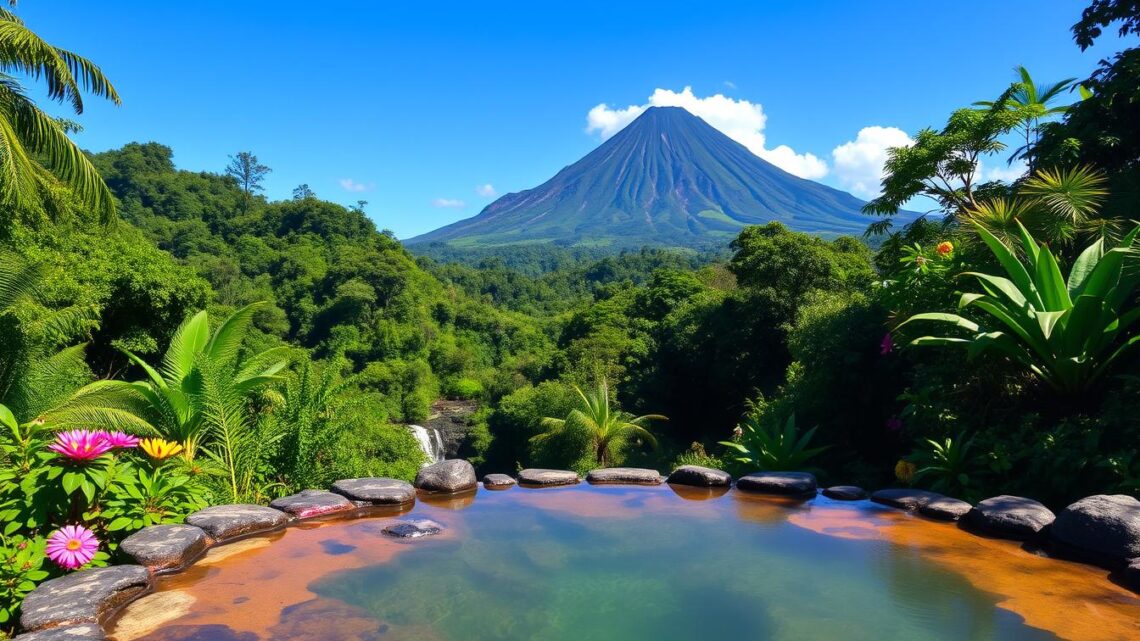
x=1105, y=528
x=312, y=503
x=498, y=481
x=547, y=477
x=376, y=491
x=778, y=483
x=224, y=522
x=449, y=477
x=845, y=493
x=945, y=508
x=904, y=498
x=84, y=597
x=165, y=547
x=1011, y=517
x=624, y=475
x=700, y=476
x=413, y=529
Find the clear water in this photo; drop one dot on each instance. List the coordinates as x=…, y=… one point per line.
x=652, y=564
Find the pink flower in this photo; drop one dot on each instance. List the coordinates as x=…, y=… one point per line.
x=894, y=424
x=81, y=445
x=888, y=344
x=72, y=546
x=119, y=440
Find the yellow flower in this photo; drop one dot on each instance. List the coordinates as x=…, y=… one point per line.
x=945, y=247
x=159, y=449
x=904, y=471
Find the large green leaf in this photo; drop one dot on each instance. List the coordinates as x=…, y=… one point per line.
x=1013, y=267
x=1050, y=283
x=189, y=339
x=1083, y=267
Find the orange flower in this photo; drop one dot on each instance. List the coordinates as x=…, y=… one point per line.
x=905, y=470
x=945, y=248
x=159, y=449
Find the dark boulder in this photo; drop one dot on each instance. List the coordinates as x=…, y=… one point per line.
x=307, y=504
x=1010, y=517
x=624, y=475
x=904, y=498
x=1103, y=529
x=1130, y=577
x=413, y=529
x=165, y=547
x=85, y=597
x=699, y=476
x=945, y=508
x=845, y=493
x=798, y=484
x=223, y=522
x=547, y=477
x=376, y=491
x=498, y=481
x=449, y=477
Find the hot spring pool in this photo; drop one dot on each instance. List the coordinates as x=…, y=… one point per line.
x=586, y=563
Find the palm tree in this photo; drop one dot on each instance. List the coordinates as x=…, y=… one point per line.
x=607, y=430
x=1034, y=103
x=35, y=152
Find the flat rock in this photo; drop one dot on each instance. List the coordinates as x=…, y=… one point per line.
x=498, y=481
x=165, y=547
x=450, y=476
x=307, y=504
x=84, y=597
x=904, y=498
x=699, y=476
x=945, y=508
x=624, y=475
x=376, y=491
x=89, y=632
x=223, y=522
x=1104, y=527
x=845, y=493
x=413, y=529
x=1011, y=517
x=547, y=477
x=778, y=483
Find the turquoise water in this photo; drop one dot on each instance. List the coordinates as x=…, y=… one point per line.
x=633, y=564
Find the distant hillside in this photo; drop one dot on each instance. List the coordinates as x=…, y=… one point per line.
x=667, y=179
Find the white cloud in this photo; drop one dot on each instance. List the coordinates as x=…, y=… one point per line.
x=349, y=184
x=859, y=163
x=741, y=120
x=487, y=190
x=1003, y=172
x=729, y=84
x=448, y=203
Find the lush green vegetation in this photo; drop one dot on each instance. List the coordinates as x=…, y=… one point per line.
x=259, y=347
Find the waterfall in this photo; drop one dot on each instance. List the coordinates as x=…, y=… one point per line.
x=431, y=442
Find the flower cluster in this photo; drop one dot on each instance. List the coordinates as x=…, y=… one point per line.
x=87, y=445
x=160, y=449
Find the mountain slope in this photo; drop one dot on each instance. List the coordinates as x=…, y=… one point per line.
x=668, y=178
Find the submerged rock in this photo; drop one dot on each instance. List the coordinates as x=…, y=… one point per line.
x=376, y=491
x=307, y=504
x=1011, y=517
x=945, y=508
x=845, y=493
x=778, y=483
x=87, y=596
x=548, y=477
x=413, y=529
x=90, y=632
x=224, y=522
x=1103, y=528
x=699, y=476
x=498, y=481
x=165, y=547
x=904, y=498
x=624, y=475
x=450, y=476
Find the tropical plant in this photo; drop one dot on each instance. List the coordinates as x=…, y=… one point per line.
x=607, y=430
x=769, y=447
x=1033, y=103
x=949, y=464
x=37, y=152
x=1067, y=332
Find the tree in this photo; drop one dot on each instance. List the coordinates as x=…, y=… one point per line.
x=249, y=174
x=608, y=431
x=1102, y=13
x=303, y=192
x=37, y=154
x=1032, y=102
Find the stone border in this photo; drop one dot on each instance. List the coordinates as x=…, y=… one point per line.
x=1102, y=530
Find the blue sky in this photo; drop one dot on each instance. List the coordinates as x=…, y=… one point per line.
x=416, y=109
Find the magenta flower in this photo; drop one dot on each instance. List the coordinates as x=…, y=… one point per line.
x=894, y=424
x=81, y=445
x=119, y=440
x=888, y=344
x=72, y=546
